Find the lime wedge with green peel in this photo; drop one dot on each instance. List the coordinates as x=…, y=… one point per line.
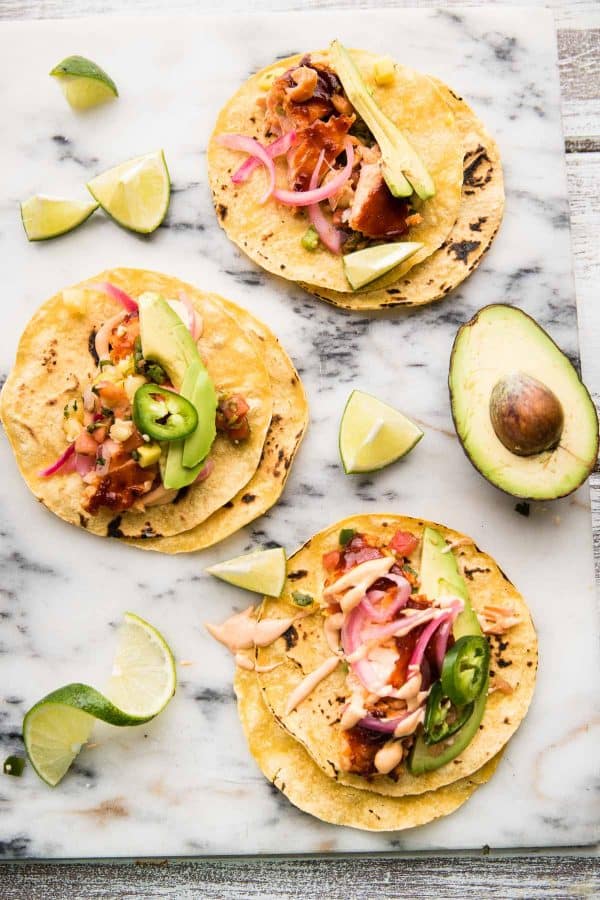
x=47, y=217
x=364, y=266
x=143, y=682
x=83, y=82
x=262, y=571
x=136, y=193
x=373, y=434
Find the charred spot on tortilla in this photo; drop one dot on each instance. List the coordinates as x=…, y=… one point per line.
x=476, y=226
x=113, y=529
x=473, y=571
x=299, y=573
x=83, y=520
x=462, y=249
x=248, y=498
x=290, y=637
x=92, y=346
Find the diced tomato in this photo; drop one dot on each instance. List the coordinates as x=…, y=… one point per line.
x=85, y=444
x=231, y=418
x=404, y=543
x=404, y=647
x=331, y=560
x=123, y=336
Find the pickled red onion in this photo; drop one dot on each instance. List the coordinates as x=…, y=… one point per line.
x=307, y=198
x=329, y=234
x=255, y=149
x=194, y=320
x=117, y=294
x=59, y=463
x=277, y=148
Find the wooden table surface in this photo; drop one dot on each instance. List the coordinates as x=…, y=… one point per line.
x=568, y=873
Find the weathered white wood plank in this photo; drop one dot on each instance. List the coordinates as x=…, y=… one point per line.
x=445, y=878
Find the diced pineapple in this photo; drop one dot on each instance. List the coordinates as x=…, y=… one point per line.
x=148, y=454
x=384, y=71
x=71, y=427
x=132, y=383
x=268, y=78
x=121, y=430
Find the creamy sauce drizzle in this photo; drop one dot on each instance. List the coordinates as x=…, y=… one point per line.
x=242, y=631
x=355, y=583
x=332, y=628
x=388, y=757
x=410, y=723
x=244, y=662
x=354, y=712
x=308, y=684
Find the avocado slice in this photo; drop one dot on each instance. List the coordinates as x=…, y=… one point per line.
x=165, y=338
x=402, y=167
x=440, y=577
x=198, y=388
x=510, y=383
x=167, y=341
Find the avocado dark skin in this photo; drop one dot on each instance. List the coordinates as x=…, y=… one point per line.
x=526, y=415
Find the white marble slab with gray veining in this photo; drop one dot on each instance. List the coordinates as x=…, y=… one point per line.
x=185, y=784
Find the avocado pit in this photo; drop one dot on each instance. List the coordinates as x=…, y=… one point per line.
x=526, y=416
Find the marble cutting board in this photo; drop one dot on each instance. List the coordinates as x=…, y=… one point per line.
x=185, y=784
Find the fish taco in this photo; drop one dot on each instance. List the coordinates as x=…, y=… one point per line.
x=397, y=662
x=393, y=598
x=140, y=406
x=364, y=178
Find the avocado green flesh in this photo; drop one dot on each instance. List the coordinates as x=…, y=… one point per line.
x=402, y=167
x=496, y=343
x=440, y=577
x=200, y=391
x=165, y=339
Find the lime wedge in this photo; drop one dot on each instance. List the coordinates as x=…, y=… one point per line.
x=143, y=682
x=47, y=217
x=364, y=266
x=136, y=193
x=84, y=83
x=262, y=571
x=373, y=434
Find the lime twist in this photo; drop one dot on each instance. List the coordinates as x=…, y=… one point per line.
x=142, y=683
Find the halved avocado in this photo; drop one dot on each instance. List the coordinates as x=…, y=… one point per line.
x=521, y=412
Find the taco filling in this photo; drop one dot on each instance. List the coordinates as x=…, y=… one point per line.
x=136, y=412
x=398, y=656
x=334, y=163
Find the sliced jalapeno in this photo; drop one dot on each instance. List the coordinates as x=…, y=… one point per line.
x=465, y=669
x=162, y=414
x=442, y=717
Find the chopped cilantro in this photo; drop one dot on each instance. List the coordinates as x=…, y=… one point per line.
x=14, y=765
x=346, y=535
x=104, y=362
x=100, y=461
x=301, y=599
